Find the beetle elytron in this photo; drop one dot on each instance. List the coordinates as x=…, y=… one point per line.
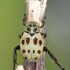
x=32, y=44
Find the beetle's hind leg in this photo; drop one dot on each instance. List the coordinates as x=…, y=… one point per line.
x=53, y=57
x=15, y=56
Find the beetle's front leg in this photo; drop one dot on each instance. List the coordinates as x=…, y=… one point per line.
x=25, y=19
x=15, y=56
x=53, y=57
x=43, y=22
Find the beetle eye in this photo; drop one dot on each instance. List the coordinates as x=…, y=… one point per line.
x=34, y=25
x=28, y=29
x=35, y=29
x=30, y=25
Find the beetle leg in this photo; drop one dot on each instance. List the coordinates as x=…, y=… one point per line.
x=44, y=35
x=53, y=57
x=43, y=22
x=44, y=17
x=15, y=56
x=19, y=36
x=24, y=20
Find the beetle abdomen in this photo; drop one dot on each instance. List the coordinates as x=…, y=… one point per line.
x=31, y=47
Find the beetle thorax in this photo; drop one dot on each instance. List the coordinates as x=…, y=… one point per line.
x=32, y=28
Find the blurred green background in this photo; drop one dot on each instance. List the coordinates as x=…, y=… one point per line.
x=57, y=29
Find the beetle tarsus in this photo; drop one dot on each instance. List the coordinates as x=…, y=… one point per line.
x=19, y=36
x=44, y=17
x=60, y=66
x=53, y=57
x=15, y=56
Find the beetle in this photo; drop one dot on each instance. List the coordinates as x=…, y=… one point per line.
x=32, y=43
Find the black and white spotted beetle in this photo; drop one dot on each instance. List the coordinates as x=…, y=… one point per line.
x=32, y=44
